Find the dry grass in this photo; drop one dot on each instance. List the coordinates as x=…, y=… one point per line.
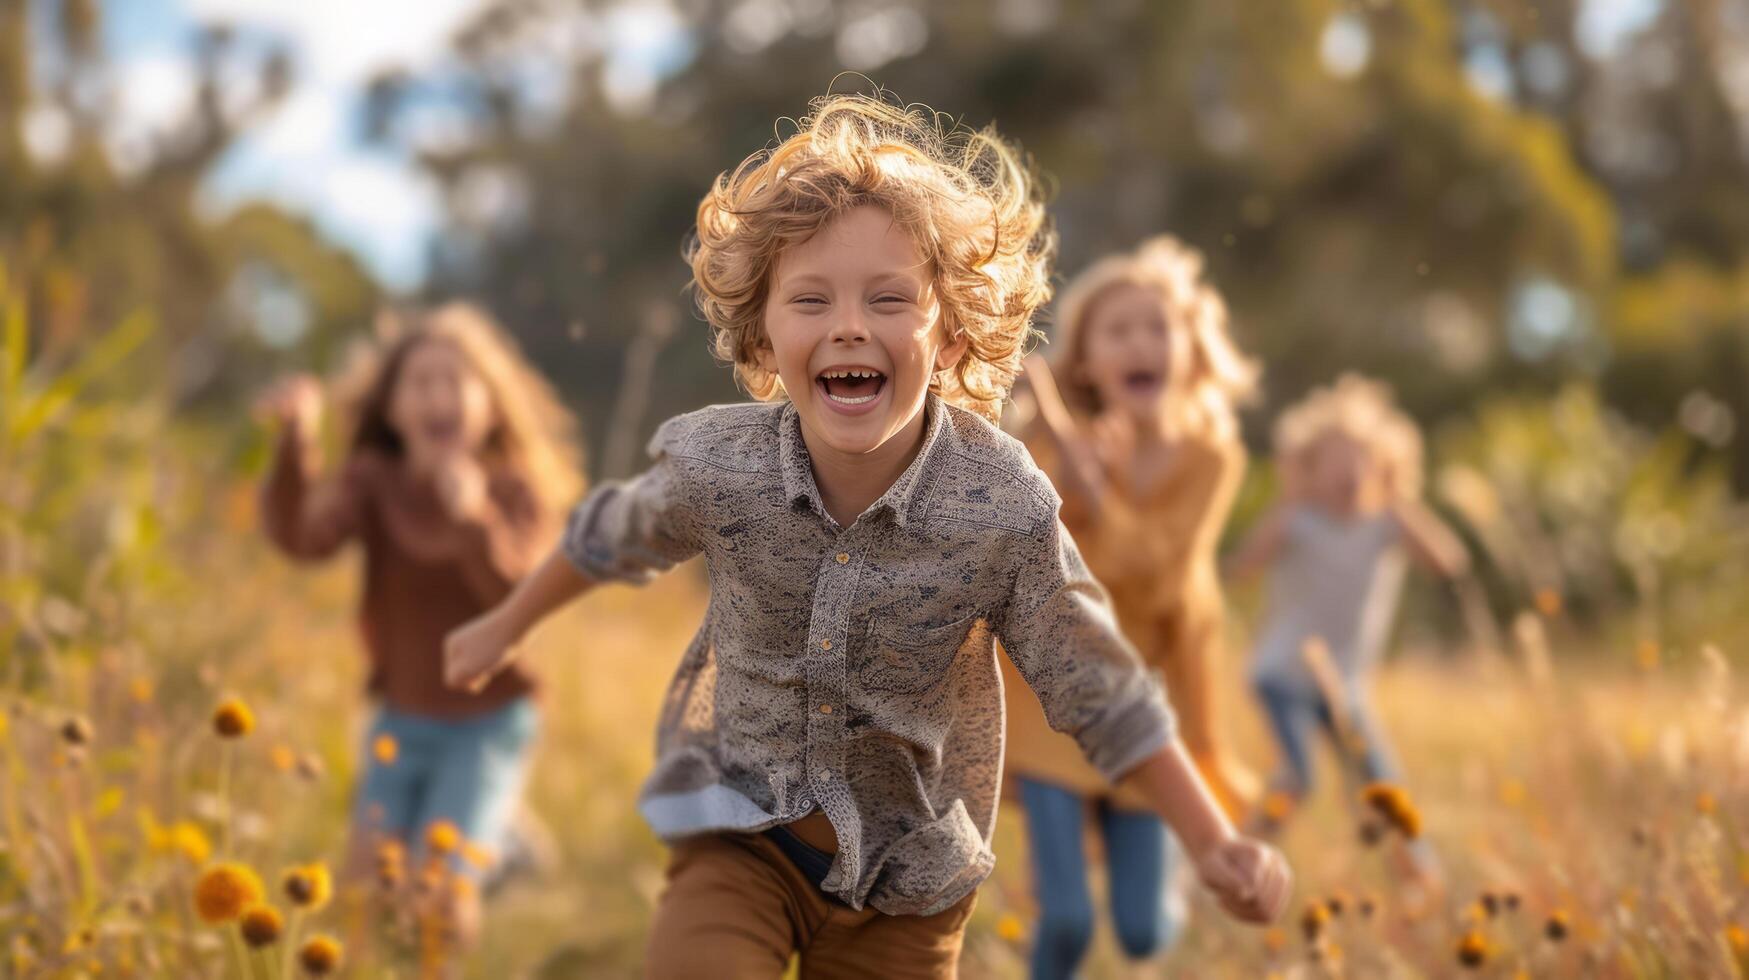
x=1615, y=795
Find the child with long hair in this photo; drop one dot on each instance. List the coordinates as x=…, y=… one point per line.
x=1135, y=426
x=1337, y=543
x=460, y=461
x=829, y=756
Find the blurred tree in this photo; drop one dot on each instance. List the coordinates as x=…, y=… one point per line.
x=96, y=223
x=1365, y=198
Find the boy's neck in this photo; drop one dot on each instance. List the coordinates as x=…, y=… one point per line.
x=850, y=482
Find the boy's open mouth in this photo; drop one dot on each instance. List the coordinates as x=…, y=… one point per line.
x=851, y=386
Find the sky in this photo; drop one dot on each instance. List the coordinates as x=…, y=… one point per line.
x=307, y=155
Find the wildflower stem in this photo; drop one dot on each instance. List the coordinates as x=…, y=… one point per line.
x=244, y=967
x=226, y=753
x=293, y=928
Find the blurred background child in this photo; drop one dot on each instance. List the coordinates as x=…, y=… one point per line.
x=1135, y=427
x=460, y=460
x=1337, y=544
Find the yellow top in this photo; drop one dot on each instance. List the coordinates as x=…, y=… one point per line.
x=1153, y=548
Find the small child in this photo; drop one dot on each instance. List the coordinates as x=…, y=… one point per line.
x=831, y=748
x=1141, y=441
x=1350, y=465
x=460, y=462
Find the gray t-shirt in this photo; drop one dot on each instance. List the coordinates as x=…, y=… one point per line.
x=1334, y=580
x=853, y=669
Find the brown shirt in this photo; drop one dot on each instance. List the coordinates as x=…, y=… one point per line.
x=852, y=670
x=1154, y=551
x=425, y=572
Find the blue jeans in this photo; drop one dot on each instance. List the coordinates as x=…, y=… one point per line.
x=1294, y=711
x=1140, y=856
x=469, y=772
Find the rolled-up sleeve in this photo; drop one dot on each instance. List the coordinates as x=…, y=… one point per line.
x=1059, y=631
x=633, y=530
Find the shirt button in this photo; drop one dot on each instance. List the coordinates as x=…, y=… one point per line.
x=825, y=709
x=825, y=644
x=843, y=557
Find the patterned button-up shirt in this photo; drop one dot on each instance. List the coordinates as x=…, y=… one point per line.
x=853, y=669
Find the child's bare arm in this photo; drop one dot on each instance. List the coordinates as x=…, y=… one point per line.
x=622, y=532
x=306, y=519
x=1081, y=479
x=481, y=648
x=1433, y=545
x=1250, y=878
x=1262, y=546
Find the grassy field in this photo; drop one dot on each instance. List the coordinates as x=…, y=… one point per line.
x=1608, y=789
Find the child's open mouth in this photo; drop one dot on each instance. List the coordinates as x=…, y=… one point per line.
x=442, y=431
x=851, y=387
x=1142, y=383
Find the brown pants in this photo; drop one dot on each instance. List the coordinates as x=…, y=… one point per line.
x=737, y=908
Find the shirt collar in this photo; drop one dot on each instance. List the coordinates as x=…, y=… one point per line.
x=908, y=494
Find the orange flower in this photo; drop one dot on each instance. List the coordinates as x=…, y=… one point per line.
x=1009, y=928
x=442, y=837
x=282, y=758
x=1558, y=926
x=1472, y=949
x=233, y=719
x=385, y=749
x=1394, y=805
x=261, y=925
x=309, y=886
x=320, y=955
x=223, y=891
x=1313, y=920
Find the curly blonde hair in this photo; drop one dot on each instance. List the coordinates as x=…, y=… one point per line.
x=533, y=434
x=970, y=201
x=1218, y=377
x=1360, y=409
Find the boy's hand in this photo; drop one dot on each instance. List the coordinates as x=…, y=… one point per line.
x=294, y=401
x=1250, y=878
x=475, y=651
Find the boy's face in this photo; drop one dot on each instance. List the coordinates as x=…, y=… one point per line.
x=854, y=331
x=1344, y=475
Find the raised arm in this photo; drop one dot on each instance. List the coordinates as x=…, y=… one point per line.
x=1262, y=546
x=1078, y=474
x=306, y=519
x=1431, y=544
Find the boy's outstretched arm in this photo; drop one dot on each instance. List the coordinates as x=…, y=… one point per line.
x=476, y=651
x=1250, y=878
x=622, y=532
x=1060, y=634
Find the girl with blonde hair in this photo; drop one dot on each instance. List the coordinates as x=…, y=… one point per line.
x=1349, y=520
x=1135, y=426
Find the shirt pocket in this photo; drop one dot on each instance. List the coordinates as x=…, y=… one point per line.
x=903, y=658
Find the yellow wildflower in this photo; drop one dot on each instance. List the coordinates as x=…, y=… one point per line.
x=233, y=719
x=223, y=891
